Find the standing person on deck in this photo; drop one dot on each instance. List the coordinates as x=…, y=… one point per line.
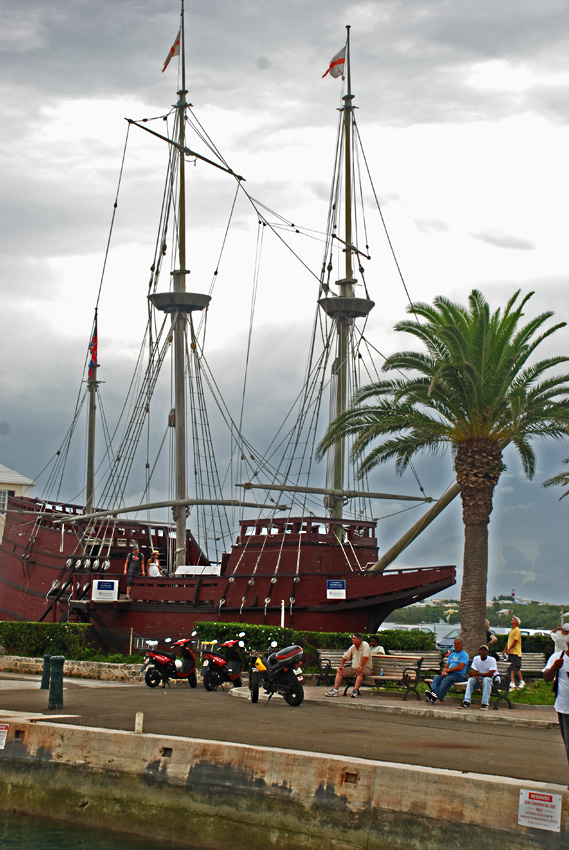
x=558, y=666
x=513, y=654
x=133, y=568
x=153, y=565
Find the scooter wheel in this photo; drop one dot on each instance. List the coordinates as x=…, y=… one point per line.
x=254, y=685
x=152, y=678
x=295, y=694
x=193, y=680
x=238, y=683
x=209, y=681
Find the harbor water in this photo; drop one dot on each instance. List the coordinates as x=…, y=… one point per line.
x=18, y=831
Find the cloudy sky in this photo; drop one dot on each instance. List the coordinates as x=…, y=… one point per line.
x=463, y=112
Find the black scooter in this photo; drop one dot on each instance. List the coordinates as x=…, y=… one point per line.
x=279, y=673
x=160, y=667
x=223, y=665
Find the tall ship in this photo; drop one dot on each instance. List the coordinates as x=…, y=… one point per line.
x=262, y=535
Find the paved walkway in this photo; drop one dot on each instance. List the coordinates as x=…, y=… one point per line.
x=371, y=700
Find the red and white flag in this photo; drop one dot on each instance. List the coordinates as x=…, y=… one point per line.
x=336, y=68
x=174, y=51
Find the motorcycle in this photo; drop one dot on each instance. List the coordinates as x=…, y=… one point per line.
x=223, y=664
x=159, y=667
x=279, y=673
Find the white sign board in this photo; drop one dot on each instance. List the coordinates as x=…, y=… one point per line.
x=3, y=734
x=540, y=810
x=104, y=590
x=198, y=570
x=336, y=588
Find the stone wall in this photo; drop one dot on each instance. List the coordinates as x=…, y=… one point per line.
x=82, y=669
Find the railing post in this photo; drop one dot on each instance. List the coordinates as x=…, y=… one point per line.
x=45, y=673
x=56, y=683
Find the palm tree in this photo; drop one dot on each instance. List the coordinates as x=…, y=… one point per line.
x=561, y=479
x=475, y=390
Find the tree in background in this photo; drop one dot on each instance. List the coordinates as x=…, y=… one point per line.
x=475, y=390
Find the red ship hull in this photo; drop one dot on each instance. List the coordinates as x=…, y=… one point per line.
x=46, y=573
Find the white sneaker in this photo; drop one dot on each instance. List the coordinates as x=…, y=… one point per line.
x=521, y=685
x=512, y=687
x=333, y=692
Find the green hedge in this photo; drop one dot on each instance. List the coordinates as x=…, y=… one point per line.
x=34, y=640
x=530, y=643
x=260, y=637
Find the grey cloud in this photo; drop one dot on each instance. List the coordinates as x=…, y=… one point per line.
x=503, y=240
x=431, y=226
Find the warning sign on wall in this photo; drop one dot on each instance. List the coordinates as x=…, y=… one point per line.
x=540, y=810
x=3, y=734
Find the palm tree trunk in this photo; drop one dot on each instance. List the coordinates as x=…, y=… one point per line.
x=473, y=591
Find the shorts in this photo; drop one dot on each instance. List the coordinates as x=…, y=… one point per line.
x=352, y=672
x=515, y=662
x=130, y=577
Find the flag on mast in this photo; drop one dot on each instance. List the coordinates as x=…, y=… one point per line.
x=336, y=68
x=174, y=51
x=93, y=353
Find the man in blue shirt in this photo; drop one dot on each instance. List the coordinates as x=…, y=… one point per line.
x=454, y=670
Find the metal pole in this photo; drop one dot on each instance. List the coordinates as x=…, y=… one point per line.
x=45, y=673
x=56, y=683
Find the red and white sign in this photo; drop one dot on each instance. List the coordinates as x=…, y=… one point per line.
x=540, y=810
x=3, y=734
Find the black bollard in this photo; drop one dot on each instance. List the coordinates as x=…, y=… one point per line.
x=56, y=683
x=45, y=673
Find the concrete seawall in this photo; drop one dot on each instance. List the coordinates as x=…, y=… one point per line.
x=232, y=795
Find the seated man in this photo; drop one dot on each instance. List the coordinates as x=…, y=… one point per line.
x=482, y=673
x=359, y=656
x=376, y=649
x=454, y=670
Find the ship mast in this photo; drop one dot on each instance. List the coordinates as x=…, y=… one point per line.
x=179, y=286
x=345, y=307
x=92, y=385
x=180, y=303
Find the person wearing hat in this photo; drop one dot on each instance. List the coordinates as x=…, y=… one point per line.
x=481, y=675
x=513, y=654
x=557, y=670
x=153, y=565
x=559, y=636
x=133, y=567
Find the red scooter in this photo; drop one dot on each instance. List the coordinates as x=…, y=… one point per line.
x=223, y=664
x=160, y=667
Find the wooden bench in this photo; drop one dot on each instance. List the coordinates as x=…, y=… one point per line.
x=403, y=669
x=432, y=660
x=532, y=664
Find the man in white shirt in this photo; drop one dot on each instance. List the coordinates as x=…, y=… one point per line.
x=558, y=665
x=481, y=675
x=359, y=656
x=559, y=637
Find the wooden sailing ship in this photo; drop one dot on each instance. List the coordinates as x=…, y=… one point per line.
x=311, y=567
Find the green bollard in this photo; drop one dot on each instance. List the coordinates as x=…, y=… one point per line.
x=56, y=683
x=45, y=673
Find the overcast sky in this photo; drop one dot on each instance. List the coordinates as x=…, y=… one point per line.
x=463, y=112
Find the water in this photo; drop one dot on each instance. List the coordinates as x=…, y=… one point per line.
x=32, y=833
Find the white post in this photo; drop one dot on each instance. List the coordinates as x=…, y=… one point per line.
x=282, y=613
